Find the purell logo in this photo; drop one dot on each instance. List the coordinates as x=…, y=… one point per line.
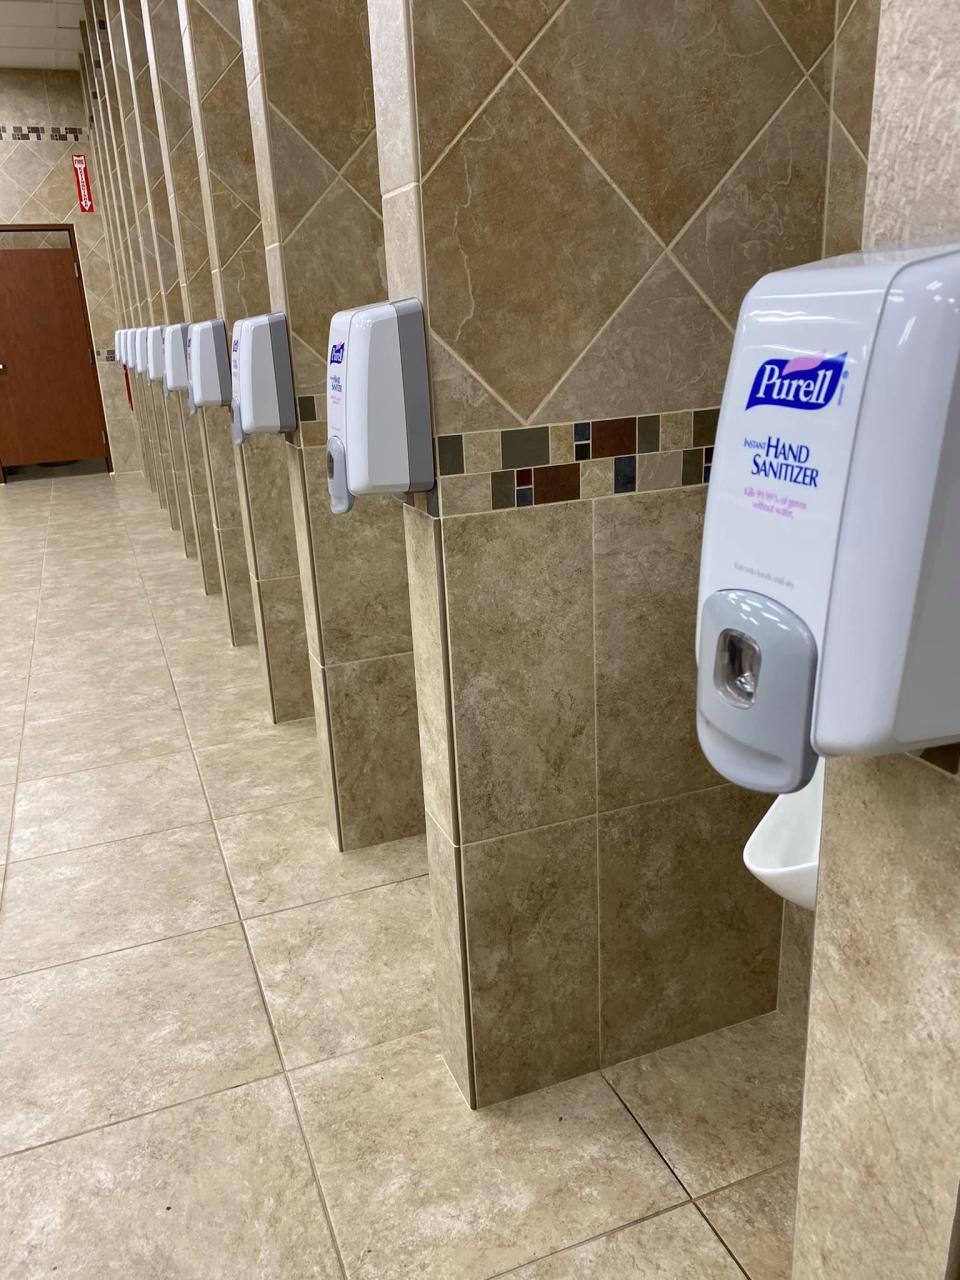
x=336, y=353
x=803, y=382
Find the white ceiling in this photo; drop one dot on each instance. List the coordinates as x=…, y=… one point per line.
x=40, y=33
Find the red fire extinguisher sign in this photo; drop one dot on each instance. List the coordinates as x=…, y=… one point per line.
x=82, y=176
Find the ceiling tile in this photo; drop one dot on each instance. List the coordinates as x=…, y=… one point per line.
x=768, y=212
x=529, y=250
x=457, y=65
x=664, y=350
x=668, y=104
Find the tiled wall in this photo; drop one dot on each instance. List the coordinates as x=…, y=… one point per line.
x=311, y=109
x=43, y=121
x=879, y=1169
x=235, y=241
x=582, y=206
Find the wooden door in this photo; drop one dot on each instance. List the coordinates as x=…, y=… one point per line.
x=50, y=407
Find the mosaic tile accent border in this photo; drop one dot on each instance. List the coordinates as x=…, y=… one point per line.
x=39, y=133
x=532, y=466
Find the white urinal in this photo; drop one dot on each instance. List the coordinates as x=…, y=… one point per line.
x=784, y=851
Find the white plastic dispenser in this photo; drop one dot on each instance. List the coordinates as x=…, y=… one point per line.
x=117, y=336
x=140, y=356
x=829, y=614
x=263, y=398
x=123, y=349
x=155, y=352
x=175, y=376
x=378, y=403
x=208, y=362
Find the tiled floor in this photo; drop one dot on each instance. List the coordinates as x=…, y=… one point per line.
x=217, y=1052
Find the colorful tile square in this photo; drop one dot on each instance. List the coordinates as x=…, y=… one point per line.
x=525, y=447
x=612, y=437
x=625, y=474
x=556, y=484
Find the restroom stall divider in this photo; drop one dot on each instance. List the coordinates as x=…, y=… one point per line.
x=313, y=132
x=228, y=188
x=166, y=304
x=102, y=56
x=581, y=234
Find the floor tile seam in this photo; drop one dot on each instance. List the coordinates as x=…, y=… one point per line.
x=726, y=1247
x=599, y=1235
x=103, y=844
x=243, y=813
x=260, y=987
x=133, y=759
x=116, y=951
x=749, y=1177
x=633, y=1116
x=335, y=897
x=297, y=1067
x=137, y=1115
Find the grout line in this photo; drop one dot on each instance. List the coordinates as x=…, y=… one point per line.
x=596, y=777
x=726, y=1247
x=832, y=118
x=137, y=1115
x=336, y=897
x=683, y=1186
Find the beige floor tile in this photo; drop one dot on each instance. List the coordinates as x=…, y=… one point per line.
x=87, y=901
x=755, y=1219
x=347, y=973
x=93, y=806
x=100, y=1040
x=6, y=814
x=420, y=1186
x=131, y=686
x=218, y=715
x=286, y=856
x=273, y=768
x=199, y=665
x=723, y=1106
x=217, y=1189
x=677, y=1245
x=64, y=745
x=8, y=770
x=101, y=643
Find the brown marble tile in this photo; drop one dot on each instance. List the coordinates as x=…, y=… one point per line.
x=104, y=1039
x=806, y=24
x=284, y=646
x=360, y=572
x=430, y=660
x=755, y=1220
x=691, y=87
x=796, y=954
x=244, y=280
x=845, y=195
x=86, y=902
x=525, y=748
x=672, y=872
x=768, y=212
x=373, y=722
x=334, y=257
x=530, y=903
x=677, y=1245
x=318, y=75
x=665, y=346
x=300, y=172
x=419, y=1186
x=343, y=974
x=855, y=55
x=515, y=22
x=233, y=218
x=722, y=1107
x=285, y=857
x=216, y=1187
x=647, y=555
x=226, y=126
x=460, y=402
x=362, y=171
x=449, y=956
x=878, y=1168
x=514, y=168
x=214, y=47
x=447, y=36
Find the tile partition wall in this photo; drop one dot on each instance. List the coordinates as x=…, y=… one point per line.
x=311, y=109
x=97, y=51
x=209, y=447
x=228, y=188
x=582, y=207
x=118, y=79
x=879, y=1169
x=43, y=121
x=140, y=125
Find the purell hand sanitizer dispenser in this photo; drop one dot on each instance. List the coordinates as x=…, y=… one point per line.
x=379, y=437
x=140, y=357
x=829, y=609
x=155, y=353
x=263, y=398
